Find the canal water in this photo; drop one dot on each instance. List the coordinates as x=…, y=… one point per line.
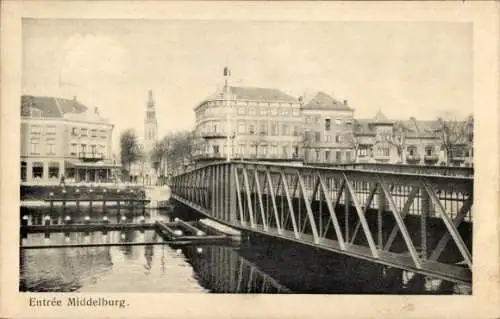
x=256, y=265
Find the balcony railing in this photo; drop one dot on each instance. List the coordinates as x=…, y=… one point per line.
x=413, y=158
x=431, y=157
x=213, y=135
x=91, y=156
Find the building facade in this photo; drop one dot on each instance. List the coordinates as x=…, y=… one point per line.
x=414, y=142
x=249, y=123
x=267, y=124
x=62, y=137
x=143, y=171
x=327, y=130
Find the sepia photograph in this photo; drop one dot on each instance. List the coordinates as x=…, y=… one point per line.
x=222, y=156
x=236, y=171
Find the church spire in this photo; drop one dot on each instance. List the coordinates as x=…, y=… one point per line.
x=151, y=101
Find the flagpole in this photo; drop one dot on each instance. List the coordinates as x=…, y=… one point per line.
x=227, y=73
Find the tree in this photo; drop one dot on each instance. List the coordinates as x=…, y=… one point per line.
x=452, y=134
x=353, y=141
x=398, y=138
x=129, y=148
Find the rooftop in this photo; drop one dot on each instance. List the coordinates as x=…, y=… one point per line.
x=323, y=100
x=50, y=106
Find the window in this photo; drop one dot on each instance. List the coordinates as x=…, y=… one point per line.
x=412, y=151
x=215, y=128
x=242, y=149
x=327, y=156
x=274, y=150
x=383, y=152
x=53, y=170
x=328, y=138
x=284, y=112
x=274, y=111
x=274, y=129
x=429, y=151
x=263, y=150
x=295, y=112
x=93, y=133
x=35, y=129
x=295, y=151
x=252, y=111
x=338, y=156
x=286, y=130
x=317, y=119
x=338, y=121
x=73, y=149
x=308, y=120
x=93, y=149
x=318, y=156
x=251, y=129
x=37, y=170
x=327, y=125
x=102, y=133
x=83, y=148
x=363, y=152
x=83, y=132
x=241, y=110
x=215, y=148
x=295, y=131
x=241, y=127
x=338, y=138
x=35, y=146
x=263, y=111
x=285, y=151
x=51, y=147
x=348, y=156
x=74, y=131
x=51, y=130
x=317, y=136
x=263, y=129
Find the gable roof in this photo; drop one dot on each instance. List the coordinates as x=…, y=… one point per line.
x=380, y=118
x=50, y=106
x=325, y=101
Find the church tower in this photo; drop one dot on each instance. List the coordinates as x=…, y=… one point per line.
x=150, y=125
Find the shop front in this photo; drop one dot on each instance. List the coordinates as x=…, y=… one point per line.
x=82, y=172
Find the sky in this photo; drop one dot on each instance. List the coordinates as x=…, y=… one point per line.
x=421, y=69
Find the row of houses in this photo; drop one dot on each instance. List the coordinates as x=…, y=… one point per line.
x=269, y=125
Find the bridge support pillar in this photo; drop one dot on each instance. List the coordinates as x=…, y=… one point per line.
x=231, y=198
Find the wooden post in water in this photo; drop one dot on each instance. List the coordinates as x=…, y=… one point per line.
x=118, y=202
x=51, y=198
x=77, y=198
x=63, y=192
x=91, y=194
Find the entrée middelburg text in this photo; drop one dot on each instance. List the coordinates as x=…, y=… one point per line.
x=77, y=302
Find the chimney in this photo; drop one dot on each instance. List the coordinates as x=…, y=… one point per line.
x=74, y=97
x=345, y=102
x=96, y=110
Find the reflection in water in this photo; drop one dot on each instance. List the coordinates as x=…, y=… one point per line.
x=262, y=266
x=221, y=269
x=142, y=268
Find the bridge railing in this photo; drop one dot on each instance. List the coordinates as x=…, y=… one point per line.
x=352, y=210
x=407, y=168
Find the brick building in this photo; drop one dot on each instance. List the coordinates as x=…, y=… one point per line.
x=327, y=129
x=62, y=137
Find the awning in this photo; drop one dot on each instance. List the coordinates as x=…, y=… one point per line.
x=97, y=165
